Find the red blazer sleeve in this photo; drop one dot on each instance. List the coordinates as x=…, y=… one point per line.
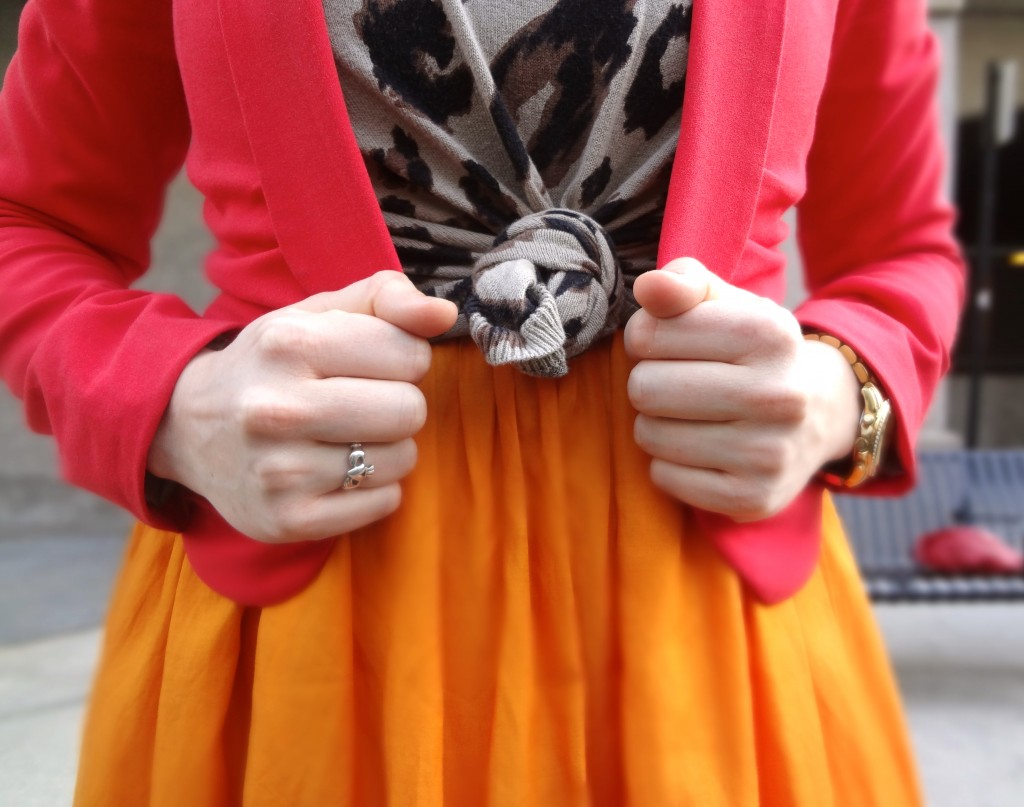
x=884, y=273
x=93, y=125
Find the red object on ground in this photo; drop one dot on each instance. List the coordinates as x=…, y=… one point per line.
x=968, y=550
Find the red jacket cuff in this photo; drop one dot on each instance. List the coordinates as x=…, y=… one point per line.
x=871, y=335
x=100, y=381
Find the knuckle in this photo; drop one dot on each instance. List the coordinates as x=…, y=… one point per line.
x=663, y=478
x=266, y=411
x=640, y=389
x=639, y=335
x=275, y=474
x=286, y=337
x=782, y=331
x=268, y=474
x=789, y=402
x=748, y=331
x=643, y=433
x=417, y=358
x=766, y=328
x=411, y=411
x=779, y=400
x=407, y=456
x=385, y=279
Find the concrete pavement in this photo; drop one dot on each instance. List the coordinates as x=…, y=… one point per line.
x=43, y=685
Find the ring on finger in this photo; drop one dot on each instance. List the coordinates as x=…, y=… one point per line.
x=358, y=469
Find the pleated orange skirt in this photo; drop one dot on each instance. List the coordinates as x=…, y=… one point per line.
x=537, y=625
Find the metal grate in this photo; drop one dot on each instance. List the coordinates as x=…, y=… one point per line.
x=985, y=488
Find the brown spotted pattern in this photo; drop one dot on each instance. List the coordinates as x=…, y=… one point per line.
x=482, y=124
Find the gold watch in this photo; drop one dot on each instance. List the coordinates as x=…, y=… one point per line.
x=875, y=424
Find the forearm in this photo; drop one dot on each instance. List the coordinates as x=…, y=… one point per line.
x=93, y=124
x=94, y=361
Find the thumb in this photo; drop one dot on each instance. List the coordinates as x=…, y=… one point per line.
x=678, y=286
x=392, y=297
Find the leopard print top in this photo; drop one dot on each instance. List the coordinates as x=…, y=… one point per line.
x=520, y=153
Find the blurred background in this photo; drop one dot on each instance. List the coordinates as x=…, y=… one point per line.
x=961, y=666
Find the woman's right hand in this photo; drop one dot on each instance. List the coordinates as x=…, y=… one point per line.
x=263, y=428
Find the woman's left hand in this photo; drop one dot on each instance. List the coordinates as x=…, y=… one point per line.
x=737, y=410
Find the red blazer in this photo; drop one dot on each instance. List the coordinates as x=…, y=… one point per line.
x=828, y=104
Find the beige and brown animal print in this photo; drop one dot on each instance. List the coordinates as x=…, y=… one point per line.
x=520, y=153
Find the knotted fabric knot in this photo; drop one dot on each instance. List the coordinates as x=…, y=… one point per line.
x=547, y=289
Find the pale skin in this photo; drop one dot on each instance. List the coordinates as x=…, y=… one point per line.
x=735, y=408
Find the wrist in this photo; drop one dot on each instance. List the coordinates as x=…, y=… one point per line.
x=874, y=422
x=839, y=407
x=172, y=447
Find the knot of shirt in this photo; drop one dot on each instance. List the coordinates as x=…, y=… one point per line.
x=548, y=288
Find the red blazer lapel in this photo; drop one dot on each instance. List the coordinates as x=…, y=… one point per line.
x=313, y=176
x=731, y=83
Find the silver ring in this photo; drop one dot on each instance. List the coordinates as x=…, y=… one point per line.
x=358, y=470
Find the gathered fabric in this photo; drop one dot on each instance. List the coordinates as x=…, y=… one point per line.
x=536, y=625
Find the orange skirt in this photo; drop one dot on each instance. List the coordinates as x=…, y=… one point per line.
x=537, y=625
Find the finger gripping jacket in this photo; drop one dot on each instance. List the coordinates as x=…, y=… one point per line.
x=548, y=288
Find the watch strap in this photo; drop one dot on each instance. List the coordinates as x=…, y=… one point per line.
x=875, y=418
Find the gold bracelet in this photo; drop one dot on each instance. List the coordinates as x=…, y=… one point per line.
x=875, y=422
